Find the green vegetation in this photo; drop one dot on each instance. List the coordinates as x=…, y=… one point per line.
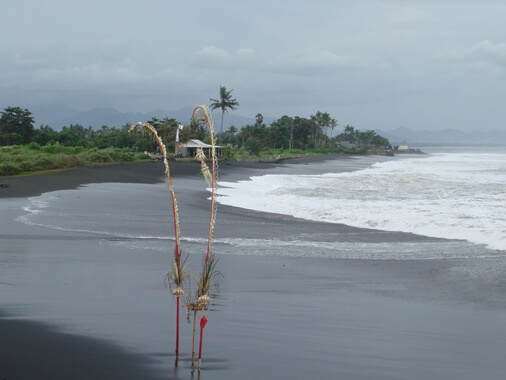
x=297, y=136
x=32, y=158
x=24, y=149
x=16, y=126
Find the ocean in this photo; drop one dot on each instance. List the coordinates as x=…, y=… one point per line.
x=454, y=195
x=451, y=195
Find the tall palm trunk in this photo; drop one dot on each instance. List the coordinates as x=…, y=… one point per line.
x=221, y=125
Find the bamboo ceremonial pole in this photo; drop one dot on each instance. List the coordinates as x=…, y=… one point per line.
x=210, y=175
x=194, y=331
x=177, y=328
x=179, y=277
x=202, y=113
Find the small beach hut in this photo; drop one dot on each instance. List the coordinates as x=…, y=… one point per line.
x=189, y=148
x=348, y=142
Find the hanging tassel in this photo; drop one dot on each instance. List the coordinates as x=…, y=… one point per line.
x=203, y=166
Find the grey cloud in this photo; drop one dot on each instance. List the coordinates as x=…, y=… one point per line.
x=68, y=68
x=311, y=62
x=366, y=62
x=488, y=52
x=213, y=57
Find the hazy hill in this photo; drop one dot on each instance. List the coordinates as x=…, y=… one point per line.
x=58, y=117
x=444, y=136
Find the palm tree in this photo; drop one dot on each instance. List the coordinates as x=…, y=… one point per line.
x=333, y=124
x=350, y=131
x=226, y=101
x=232, y=130
x=321, y=122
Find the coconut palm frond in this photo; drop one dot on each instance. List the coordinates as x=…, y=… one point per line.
x=224, y=103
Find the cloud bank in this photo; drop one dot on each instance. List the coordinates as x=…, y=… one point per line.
x=419, y=64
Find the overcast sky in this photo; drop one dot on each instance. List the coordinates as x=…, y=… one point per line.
x=422, y=64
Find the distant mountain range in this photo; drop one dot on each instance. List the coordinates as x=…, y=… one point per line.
x=405, y=136
x=58, y=116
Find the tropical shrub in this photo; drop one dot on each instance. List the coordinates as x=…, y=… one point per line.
x=9, y=168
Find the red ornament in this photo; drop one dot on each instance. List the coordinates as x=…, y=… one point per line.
x=203, y=322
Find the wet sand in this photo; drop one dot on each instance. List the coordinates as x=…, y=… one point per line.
x=75, y=306
x=31, y=350
x=142, y=172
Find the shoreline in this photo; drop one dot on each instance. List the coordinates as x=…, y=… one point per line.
x=35, y=349
x=132, y=172
x=275, y=316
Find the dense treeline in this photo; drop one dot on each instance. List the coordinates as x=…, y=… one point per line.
x=315, y=133
x=24, y=149
x=16, y=128
x=75, y=145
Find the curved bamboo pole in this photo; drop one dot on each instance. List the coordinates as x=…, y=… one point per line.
x=202, y=113
x=175, y=210
x=178, y=271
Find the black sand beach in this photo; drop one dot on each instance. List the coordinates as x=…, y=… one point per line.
x=78, y=305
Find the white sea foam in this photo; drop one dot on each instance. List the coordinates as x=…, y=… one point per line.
x=98, y=209
x=454, y=196
x=426, y=250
